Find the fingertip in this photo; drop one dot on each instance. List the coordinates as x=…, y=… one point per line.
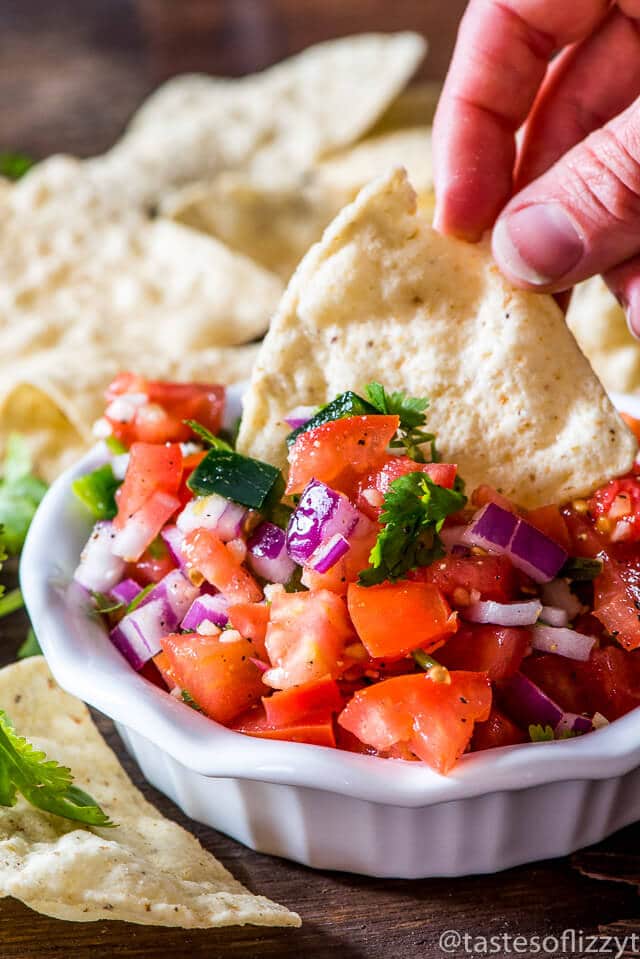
x=624, y=283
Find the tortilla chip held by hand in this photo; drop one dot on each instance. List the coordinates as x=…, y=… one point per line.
x=384, y=297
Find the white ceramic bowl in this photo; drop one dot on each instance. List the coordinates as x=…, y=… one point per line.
x=323, y=807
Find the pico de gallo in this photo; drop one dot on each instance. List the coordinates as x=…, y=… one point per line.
x=364, y=601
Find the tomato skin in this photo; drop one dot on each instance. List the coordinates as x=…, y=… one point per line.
x=339, y=452
x=494, y=650
x=632, y=423
x=559, y=678
x=151, y=469
x=492, y=576
x=161, y=419
x=251, y=619
x=289, y=706
x=317, y=730
x=496, y=731
x=162, y=664
x=550, y=521
x=219, y=676
x=435, y=720
x=306, y=637
x=380, y=480
x=153, y=565
x=484, y=494
x=393, y=618
x=208, y=555
x=617, y=601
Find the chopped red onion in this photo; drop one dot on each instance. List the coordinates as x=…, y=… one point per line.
x=177, y=592
x=554, y=616
x=211, y=608
x=499, y=530
x=299, y=416
x=503, y=614
x=573, y=723
x=267, y=553
x=329, y=553
x=125, y=591
x=526, y=703
x=174, y=539
x=212, y=512
x=138, y=634
x=99, y=569
x=558, y=593
x=563, y=642
x=320, y=514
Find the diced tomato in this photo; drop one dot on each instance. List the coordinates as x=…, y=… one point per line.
x=151, y=673
x=617, y=601
x=151, y=469
x=339, y=452
x=393, y=618
x=616, y=507
x=153, y=565
x=611, y=678
x=318, y=730
x=141, y=528
x=378, y=481
x=189, y=463
x=163, y=666
x=494, y=650
x=484, y=494
x=346, y=740
x=288, y=706
x=550, y=521
x=435, y=720
x=250, y=619
x=498, y=730
x=161, y=418
x=492, y=576
x=219, y=565
x=632, y=423
x=584, y=538
x=347, y=569
x=219, y=676
x=558, y=677
x=306, y=637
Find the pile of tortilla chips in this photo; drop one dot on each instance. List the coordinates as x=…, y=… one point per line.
x=146, y=870
x=168, y=254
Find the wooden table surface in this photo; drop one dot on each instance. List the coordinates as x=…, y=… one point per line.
x=70, y=75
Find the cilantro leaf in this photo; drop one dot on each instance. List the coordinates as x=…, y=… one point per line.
x=540, y=734
x=135, y=602
x=30, y=647
x=414, y=511
x=189, y=700
x=20, y=494
x=411, y=411
x=43, y=782
x=105, y=604
x=15, y=165
x=207, y=436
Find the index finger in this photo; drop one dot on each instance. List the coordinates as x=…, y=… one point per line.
x=498, y=65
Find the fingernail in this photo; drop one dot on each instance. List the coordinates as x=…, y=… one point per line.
x=538, y=244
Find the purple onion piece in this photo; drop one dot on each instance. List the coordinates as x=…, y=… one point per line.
x=174, y=539
x=563, y=642
x=492, y=528
x=267, y=554
x=212, y=512
x=299, y=416
x=320, y=514
x=212, y=608
x=535, y=554
x=327, y=555
x=125, y=591
x=176, y=593
x=573, y=723
x=526, y=703
x=138, y=634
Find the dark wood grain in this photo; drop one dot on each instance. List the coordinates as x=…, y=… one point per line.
x=70, y=75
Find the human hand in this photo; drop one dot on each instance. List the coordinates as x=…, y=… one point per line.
x=566, y=204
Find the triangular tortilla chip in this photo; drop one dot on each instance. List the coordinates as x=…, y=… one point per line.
x=384, y=297
x=146, y=870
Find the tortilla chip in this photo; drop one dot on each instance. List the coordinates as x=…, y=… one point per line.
x=384, y=297
x=88, y=289
x=148, y=870
x=270, y=124
x=598, y=323
x=276, y=224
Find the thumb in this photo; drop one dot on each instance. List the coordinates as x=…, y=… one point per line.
x=581, y=217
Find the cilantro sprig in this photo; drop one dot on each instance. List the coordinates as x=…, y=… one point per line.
x=413, y=514
x=411, y=411
x=207, y=437
x=14, y=165
x=43, y=782
x=545, y=734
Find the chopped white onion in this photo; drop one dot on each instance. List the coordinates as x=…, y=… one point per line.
x=99, y=569
x=563, y=642
x=503, y=614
